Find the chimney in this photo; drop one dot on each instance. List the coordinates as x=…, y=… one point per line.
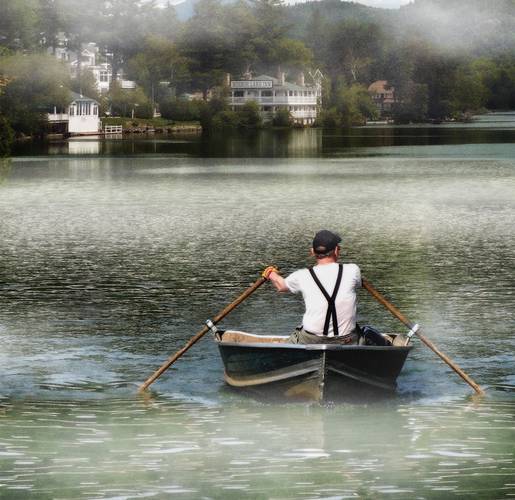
x=283, y=77
x=301, y=79
x=227, y=82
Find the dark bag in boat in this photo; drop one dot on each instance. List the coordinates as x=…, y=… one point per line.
x=370, y=336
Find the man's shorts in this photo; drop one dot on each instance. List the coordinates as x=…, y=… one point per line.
x=301, y=336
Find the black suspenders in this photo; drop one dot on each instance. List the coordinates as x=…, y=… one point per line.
x=331, y=307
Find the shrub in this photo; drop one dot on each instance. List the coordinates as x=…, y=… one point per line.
x=249, y=116
x=226, y=119
x=180, y=110
x=144, y=110
x=6, y=136
x=208, y=111
x=329, y=118
x=123, y=101
x=282, y=118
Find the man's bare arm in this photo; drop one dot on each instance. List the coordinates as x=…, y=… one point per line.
x=278, y=281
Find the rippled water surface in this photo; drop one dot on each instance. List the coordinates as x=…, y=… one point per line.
x=111, y=263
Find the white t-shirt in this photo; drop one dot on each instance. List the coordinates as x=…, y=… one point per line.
x=316, y=304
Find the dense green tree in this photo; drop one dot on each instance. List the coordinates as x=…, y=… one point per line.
x=291, y=54
x=80, y=21
x=438, y=72
x=469, y=94
x=121, y=30
x=209, y=110
x=350, y=105
x=6, y=136
x=86, y=84
x=204, y=45
x=50, y=23
x=37, y=83
x=316, y=36
x=226, y=120
x=412, y=106
x=129, y=102
x=282, y=118
x=271, y=26
x=18, y=23
x=249, y=115
x=181, y=109
x=498, y=77
x=355, y=105
x=354, y=46
x=157, y=61
x=162, y=22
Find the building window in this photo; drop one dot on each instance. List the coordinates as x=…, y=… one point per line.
x=72, y=110
x=104, y=76
x=266, y=108
x=266, y=93
x=238, y=93
x=290, y=93
x=95, y=109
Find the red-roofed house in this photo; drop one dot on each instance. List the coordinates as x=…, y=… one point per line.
x=383, y=96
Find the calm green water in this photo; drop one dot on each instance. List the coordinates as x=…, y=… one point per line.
x=113, y=254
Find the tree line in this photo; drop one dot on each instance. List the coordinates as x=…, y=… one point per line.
x=435, y=76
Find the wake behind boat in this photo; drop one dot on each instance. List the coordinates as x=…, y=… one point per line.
x=269, y=365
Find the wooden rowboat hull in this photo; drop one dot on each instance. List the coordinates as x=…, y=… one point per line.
x=270, y=367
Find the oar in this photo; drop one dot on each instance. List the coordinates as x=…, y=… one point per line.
x=415, y=329
x=222, y=314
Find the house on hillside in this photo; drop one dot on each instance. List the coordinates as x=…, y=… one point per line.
x=90, y=59
x=272, y=94
x=383, y=96
x=81, y=117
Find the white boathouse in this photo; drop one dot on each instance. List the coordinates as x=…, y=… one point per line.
x=272, y=94
x=81, y=116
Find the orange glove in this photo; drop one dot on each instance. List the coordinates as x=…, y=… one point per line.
x=269, y=270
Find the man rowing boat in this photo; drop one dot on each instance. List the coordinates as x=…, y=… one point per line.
x=329, y=292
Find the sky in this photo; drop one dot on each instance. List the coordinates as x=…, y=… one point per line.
x=384, y=3
x=388, y=4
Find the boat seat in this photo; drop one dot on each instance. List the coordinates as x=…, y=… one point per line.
x=232, y=336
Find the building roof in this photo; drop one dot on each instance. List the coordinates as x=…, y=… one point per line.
x=380, y=87
x=80, y=97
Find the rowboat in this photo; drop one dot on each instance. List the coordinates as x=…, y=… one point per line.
x=269, y=366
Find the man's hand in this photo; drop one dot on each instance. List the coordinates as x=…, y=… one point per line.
x=271, y=273
x=268, y=271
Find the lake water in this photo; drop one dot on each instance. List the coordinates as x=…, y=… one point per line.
x=114, y=253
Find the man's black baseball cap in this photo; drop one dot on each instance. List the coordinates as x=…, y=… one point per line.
x=325, y=242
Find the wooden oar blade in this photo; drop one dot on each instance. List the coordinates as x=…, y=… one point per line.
x=414, y=328
x=172, y=359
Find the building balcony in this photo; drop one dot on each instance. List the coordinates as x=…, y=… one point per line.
x=275, y=100
x=58, y=117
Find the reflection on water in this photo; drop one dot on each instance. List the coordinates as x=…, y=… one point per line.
x=109, y=264
x=84, y=146
x=487, y=136
x=165, y=447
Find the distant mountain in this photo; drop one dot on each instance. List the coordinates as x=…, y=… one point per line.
x=483, y=25
x=461, y=25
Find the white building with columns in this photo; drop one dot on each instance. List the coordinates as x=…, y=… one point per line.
x=272, y=94
x=81, y=117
